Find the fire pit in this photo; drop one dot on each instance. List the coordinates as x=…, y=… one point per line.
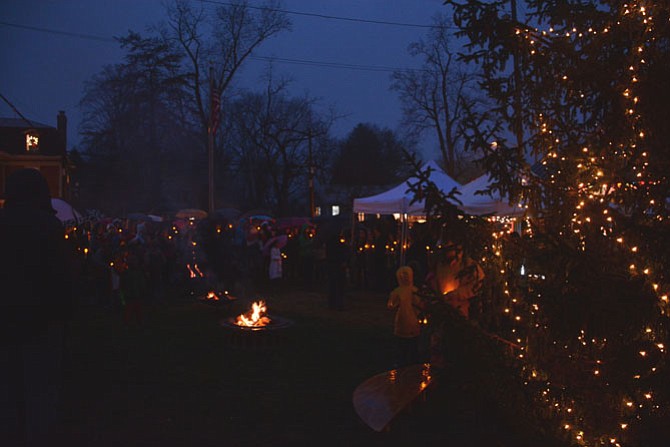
x=255, y=328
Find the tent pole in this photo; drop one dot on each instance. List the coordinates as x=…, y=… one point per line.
x=403, y=237
x=353, y=225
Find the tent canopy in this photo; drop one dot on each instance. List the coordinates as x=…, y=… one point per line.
x=397, y=199
x=477, y=203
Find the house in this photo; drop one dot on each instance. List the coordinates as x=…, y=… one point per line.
x=29, y=144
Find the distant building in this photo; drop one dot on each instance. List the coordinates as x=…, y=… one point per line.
x=29, y=144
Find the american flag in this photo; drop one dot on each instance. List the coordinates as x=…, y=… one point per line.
x=215, y=109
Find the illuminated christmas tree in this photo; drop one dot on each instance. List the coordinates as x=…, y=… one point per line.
x=581, y=135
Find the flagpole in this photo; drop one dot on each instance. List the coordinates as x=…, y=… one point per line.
x=210, y=142
x=210, y=153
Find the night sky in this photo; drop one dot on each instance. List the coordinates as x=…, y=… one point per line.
x=44, y=69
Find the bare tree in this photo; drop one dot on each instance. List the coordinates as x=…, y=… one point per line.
x=273, y=136
x=434, y=96
x=220, y=39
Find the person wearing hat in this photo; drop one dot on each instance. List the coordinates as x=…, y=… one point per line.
x=36, y=282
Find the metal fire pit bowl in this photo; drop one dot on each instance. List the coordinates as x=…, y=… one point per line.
x=256, y=336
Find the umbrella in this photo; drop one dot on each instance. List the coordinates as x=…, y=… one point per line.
x=257, y=218
x=291, y=222
x=180, y=224
x=191, y=213
x=64, y=210
x=281, y=240
x=256, y=215
x=139, y=217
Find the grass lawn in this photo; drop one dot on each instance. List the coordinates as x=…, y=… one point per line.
x=176, y=381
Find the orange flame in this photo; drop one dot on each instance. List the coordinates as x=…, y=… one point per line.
x=194, y=272
x=255, y=317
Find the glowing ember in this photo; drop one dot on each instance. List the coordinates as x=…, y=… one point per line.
x=217, y=297
x=256, y=317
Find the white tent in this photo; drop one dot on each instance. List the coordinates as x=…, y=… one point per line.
x=397, y=199
x=484, y=204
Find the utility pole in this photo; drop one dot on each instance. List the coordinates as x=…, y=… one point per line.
x=210, y=161
x=213, y=121
x=311, y=173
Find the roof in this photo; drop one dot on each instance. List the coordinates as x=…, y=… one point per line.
x=22, y=124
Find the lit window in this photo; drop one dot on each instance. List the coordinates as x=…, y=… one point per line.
x=32, y=142
x=317, y=211
x=336, y=210
x=361, y=217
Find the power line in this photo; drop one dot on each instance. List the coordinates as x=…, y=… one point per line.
x=325, y=16
x=59, y=32
x=377, y=68
x=9, y=103
x=322, y=64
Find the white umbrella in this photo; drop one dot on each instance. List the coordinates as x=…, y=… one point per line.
x=191, y=213
x=155, y=218
x=65, y=211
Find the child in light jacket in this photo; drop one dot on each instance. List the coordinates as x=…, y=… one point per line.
x=407, y=303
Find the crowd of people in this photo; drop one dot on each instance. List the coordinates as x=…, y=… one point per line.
x=250, y=256
x=119, y=263
x=241, y=257
x=129, y=262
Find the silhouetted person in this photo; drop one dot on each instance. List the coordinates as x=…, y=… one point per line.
x=306, y=254
x=133, y=287
x=35, y=300
x=337, y=261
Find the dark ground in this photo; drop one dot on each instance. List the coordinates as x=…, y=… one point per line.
x=176, y=381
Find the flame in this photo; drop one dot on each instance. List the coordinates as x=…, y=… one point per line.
x=217, y=295
x=194, y=271
x=255, y=317
x=190, y=271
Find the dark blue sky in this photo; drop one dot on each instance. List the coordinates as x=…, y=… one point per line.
x=44, y=72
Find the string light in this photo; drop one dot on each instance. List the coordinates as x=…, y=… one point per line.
x=593, y=193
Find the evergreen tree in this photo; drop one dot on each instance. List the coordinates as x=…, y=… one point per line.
x=579, y=89
x=369, y=156
x=133, y=119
